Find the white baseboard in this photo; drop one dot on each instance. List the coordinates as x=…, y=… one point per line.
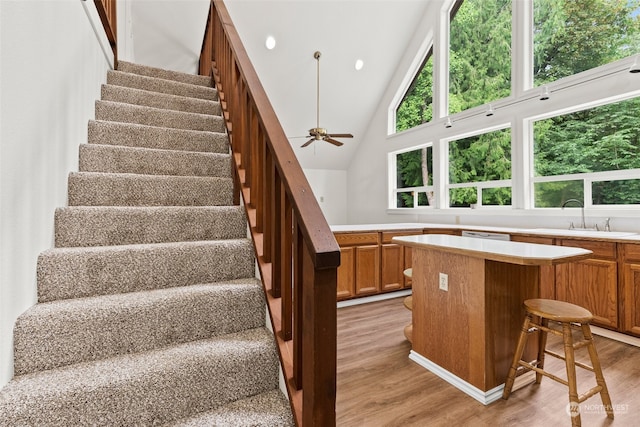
x=484, y=397
x=374, y=298
x=617, y=336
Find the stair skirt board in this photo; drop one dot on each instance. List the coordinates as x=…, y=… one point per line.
x=149, y=311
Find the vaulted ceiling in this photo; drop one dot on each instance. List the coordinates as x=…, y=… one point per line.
x=169, y=33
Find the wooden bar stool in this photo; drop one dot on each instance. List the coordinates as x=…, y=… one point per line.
x=564, y=314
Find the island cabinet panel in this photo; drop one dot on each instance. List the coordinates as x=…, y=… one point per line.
x=630, y=289
x=547, y=272
x=394, y=260
x=591, y=283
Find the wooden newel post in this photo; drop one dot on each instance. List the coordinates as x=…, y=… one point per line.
x=319, y=344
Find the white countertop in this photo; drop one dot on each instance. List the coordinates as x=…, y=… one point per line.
x=495, y=250
x=554, y=232
x=382, y=227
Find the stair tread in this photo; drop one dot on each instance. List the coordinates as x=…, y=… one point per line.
x=147, y=388
x=120, y=225
x=63, y=332
x=159, y=100
x=64, y=273
x=150, y=71
x=264, y=410
x=154, y=84
x=122, y=159
x=133, y=134
x=130, y=113
x=127, y=189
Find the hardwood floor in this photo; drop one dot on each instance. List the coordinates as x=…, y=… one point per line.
x=377, y=384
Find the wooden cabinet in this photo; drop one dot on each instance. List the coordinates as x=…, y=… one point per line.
x=371, y=264
x=359, y=271
x=394, y=260
x=592, y=283
x=630, y=289
x=547, y=272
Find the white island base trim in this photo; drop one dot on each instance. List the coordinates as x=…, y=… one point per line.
x=484, y=397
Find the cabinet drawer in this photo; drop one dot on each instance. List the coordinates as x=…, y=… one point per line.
x=388, y=235
x=599, y=249
x=631, y=252
x=356, y=239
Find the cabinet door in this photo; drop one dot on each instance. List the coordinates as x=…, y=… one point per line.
x=346, y=273
x=392, y=267
x=591, y=284
x=367, y=272
x=547, y=272
x=631, y=298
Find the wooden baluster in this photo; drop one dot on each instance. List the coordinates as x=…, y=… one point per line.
x=298, y=291
x=286, y=259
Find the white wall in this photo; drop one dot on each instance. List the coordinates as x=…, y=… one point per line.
x=330, y=189
x=51, y=69
x=368, y=172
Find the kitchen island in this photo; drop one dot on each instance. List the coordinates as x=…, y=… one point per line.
x=467, y=305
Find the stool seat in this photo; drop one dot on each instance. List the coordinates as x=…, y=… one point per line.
x=408, y=302
x=558, y=311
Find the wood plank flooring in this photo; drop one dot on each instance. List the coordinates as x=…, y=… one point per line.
x=377, y=384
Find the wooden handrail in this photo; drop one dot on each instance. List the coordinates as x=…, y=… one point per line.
x=297, y=254
x=108, y=16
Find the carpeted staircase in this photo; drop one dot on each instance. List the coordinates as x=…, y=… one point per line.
x=148, y=312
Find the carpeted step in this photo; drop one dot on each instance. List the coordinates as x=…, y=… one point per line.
x=150, y=388
x=263, y=410
x=135, y=135
x=123, y=225
x=146, y=161
x=128, y=113
x=61, y=333
x=65, y=273
x=119, y=78
x=113, y=189
x=159, y=100
x=145, y=70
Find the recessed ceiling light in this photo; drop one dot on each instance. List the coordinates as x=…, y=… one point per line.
x=270, y=43
x=359, y=64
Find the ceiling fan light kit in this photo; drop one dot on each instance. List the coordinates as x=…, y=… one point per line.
x=318, y=133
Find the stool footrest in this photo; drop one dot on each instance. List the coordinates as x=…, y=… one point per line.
x=575, y=362
x=597, y=389
x=529, y=366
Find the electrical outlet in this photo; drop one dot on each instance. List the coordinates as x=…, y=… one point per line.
x=444, y=282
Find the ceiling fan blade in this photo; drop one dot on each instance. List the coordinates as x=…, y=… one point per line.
x=333, y=141
x=340, y=135
x=307, y=143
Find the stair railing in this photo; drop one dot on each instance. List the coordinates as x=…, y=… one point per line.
x=107, y=12
x=297, y=254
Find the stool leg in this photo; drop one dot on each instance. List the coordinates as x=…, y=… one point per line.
x=511, y=377
x=542, y=344
x=597, y=370
x=570, y=362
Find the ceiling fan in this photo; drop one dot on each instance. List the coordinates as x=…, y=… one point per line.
x=317, y=133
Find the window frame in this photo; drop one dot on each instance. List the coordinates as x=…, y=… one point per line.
x=572, y=93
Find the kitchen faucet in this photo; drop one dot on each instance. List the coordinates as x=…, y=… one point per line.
x=584, y=225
